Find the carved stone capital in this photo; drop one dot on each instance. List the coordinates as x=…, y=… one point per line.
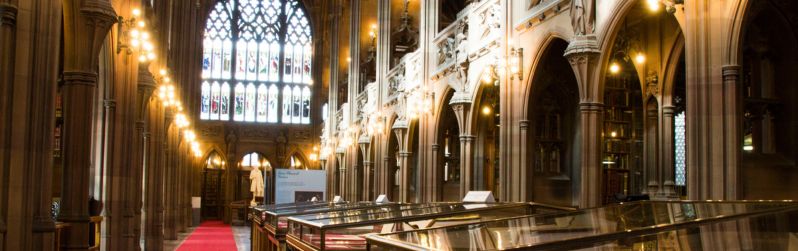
x=8, y=14
x=591, y=107
x=523, y=124
x=668, y=110
x=109, y=103
x=731, y=72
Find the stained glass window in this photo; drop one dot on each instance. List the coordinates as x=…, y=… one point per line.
x=224, y=105
x=259, y=47
x=263, y=95
x=273, y=111
x=215, y=99
x=680, y=153
x=238, y=114
x=286, y=105
x=205, y=102
x=249, y=103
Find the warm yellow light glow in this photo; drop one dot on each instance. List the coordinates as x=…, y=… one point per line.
x=142, y=24
x=135, y=43
x=653, y=5
x=142, y=58
x=486, y=78
x=615, y=68
x=134, y=33
x=151, y=56
x=313, y=157
x=371, y=34
x=373, y=26
x=136, y=12
x=310, y=82
x=167, y=79
x=486, y=110
x=640, y=58
x=145, y=35
x=613, y=134
x=348, y=59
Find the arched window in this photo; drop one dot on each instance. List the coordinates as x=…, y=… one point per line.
x=252, y=45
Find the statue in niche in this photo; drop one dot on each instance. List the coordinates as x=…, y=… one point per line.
x=583, y=16
x=461, y=40
x=256, y=184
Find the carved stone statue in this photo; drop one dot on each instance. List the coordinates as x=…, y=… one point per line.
x=583, y=16
x=256, y=181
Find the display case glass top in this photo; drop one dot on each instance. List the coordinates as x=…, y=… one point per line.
x=616, y=226
x=347, y=232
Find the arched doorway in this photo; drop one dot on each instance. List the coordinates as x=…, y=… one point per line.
x=554, y=118
x=245, y=166
x=770, y=101
x=486, y=117
x=448, y=153
x=213, y=186
x=296, y=161
x=638, y=134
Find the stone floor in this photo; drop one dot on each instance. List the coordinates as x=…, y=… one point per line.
x=240, y=234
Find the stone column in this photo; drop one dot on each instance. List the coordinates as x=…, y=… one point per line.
x=8, y=21
x=144, y=89
x=340, y=157
x=523, y=172
x=170, y=150
x=668, y=163
x=461, y=103
x=400, y=129
x=433, y=183
x=583, y=54
x=86, y=25
x=153, y=227
x=365, y=148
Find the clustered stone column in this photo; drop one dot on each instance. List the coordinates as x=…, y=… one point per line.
x=462, y=110
x=583, y=54
x=400, y=129
x=86, y=25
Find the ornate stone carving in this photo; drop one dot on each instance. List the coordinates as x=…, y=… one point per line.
x=583, y=16
x=652, y=86
x=491, y=20
x=210, y=131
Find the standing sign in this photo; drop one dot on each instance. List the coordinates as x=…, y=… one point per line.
x=299, y=185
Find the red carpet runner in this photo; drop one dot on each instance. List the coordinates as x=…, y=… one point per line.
x=210, y=235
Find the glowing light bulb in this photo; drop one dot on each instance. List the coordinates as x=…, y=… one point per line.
x=613, y=134
x=163, y=72
x=615, y=68
x=142, y=58
x=142, y=24
x=486, y=110
x=653, y=5
x=640, y=58
x=136, y=12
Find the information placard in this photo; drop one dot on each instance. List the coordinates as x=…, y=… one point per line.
x=299, y=185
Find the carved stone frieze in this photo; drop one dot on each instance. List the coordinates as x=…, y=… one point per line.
x=210, y=130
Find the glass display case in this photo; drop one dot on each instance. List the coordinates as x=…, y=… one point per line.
x=645, y=225
x=347, y=232
x=269, y=222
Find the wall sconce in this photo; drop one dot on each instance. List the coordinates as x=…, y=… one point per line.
x=670, y=6
x=419, y=102
x=516, y=63
x=133, y=36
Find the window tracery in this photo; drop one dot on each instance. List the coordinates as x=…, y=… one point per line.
x=258, y=46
